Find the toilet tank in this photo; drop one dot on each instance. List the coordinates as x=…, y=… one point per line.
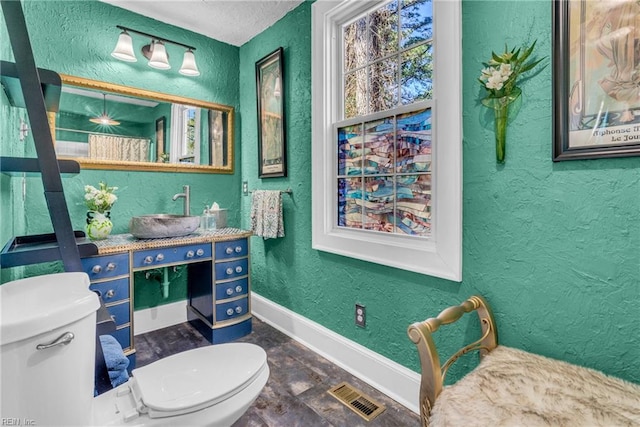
x=51, y=385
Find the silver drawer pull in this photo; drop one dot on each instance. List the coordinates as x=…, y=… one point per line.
x=229, y=251
x=229, y=291
x=63, y=339
x=200, y=252
x=110, y=293
x=190, y=254
x=238, y=269
x=229, y=311
x=148, y=260
x=238, y=288
x=111, y=266
x=238, y=249
x=160, y=257
x=229, y=270
x=96, y=269
x=238, y=310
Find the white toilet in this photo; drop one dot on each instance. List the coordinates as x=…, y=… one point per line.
x=43, y=384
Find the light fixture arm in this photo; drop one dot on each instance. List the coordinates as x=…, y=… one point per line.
x=162, y=39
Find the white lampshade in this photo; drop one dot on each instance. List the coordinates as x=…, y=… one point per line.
x=104, y=118
x=189, y=67
x=159, y=58
x=124, y=48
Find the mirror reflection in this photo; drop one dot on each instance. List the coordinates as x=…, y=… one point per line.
x=108, y=126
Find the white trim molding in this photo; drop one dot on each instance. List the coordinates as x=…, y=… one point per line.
x=440, y=255
x=162, y=316
x=396, y=381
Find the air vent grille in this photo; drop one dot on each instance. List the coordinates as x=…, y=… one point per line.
x=357, y=401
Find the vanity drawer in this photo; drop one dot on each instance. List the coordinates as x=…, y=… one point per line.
x=231, y=269
x=232, y=289
x=232, y=249
x=103, y=267
x=113, y=290
x=167, y=256
x=120, y=313
x=123, y=336
x=229, y=310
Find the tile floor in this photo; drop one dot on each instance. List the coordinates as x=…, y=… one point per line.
x=296, y=393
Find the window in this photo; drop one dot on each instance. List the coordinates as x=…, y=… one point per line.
x=386, y=114
x=185, y=137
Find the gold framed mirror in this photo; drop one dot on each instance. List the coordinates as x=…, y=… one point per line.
x=109, y=126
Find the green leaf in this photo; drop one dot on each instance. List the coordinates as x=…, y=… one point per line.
x=528, y=51
x=497, y=58
x=530, y=65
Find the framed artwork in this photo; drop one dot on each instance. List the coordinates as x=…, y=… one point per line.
x=271, y=132
x=596, y=85
x=160, y=139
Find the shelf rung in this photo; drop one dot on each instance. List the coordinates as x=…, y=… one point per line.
x=35, y=249
x=15, y=165
x=49, y=80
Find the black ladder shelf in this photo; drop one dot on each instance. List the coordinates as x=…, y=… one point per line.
x=38, y=90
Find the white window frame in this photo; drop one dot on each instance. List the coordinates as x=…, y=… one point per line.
x=441, y=254
x=178, y=133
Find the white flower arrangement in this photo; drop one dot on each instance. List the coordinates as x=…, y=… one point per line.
x=499, y=77
x=496, y=77
x=99, y=200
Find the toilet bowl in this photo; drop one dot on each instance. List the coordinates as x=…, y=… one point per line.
x=45, y=381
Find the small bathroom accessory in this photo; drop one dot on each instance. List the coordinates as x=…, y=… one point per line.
x=220, y=215
x=47, y=339
x=208, y=220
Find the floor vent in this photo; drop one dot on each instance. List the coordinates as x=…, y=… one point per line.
x=357, y=401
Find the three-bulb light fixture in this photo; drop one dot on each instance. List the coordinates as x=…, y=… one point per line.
x=155, y=52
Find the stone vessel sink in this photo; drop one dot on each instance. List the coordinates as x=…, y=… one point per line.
x=162, y=226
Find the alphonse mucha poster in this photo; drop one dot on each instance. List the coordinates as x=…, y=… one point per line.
x=596, y=78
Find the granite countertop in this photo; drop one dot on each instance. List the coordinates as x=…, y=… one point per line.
x=126, y=242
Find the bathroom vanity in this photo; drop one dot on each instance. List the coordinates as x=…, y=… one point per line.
x=218, y=280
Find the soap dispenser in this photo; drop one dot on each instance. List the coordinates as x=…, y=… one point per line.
x=208, y=220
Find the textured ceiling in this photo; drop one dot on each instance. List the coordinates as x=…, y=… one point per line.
x=231, y=21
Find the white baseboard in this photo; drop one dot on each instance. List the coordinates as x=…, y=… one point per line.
x=399, y=383
x=396, y=381
x=159, y=317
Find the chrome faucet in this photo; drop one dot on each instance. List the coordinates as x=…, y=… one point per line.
x=185, y=194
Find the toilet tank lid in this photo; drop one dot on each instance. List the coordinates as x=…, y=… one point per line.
x=31, y=306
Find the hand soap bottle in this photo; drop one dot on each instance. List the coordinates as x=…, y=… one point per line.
x=208, y=220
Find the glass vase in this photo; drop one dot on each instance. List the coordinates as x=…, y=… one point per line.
x=99, y=225
x=500, y=106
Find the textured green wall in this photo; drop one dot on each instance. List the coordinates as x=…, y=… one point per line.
x=76, y=38
x=553, y=246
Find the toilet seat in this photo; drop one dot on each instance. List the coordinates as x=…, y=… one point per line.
x=195, y=379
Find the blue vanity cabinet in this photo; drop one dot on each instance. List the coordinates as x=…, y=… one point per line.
x=219, y=293
x=110, y=279
x=168, y=256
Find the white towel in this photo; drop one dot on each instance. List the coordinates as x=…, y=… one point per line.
x=266, y=214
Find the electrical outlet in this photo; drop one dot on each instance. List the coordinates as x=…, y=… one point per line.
x=361, y=316
x=245, y=188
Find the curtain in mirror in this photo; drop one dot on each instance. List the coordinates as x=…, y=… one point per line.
x=103, y=147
